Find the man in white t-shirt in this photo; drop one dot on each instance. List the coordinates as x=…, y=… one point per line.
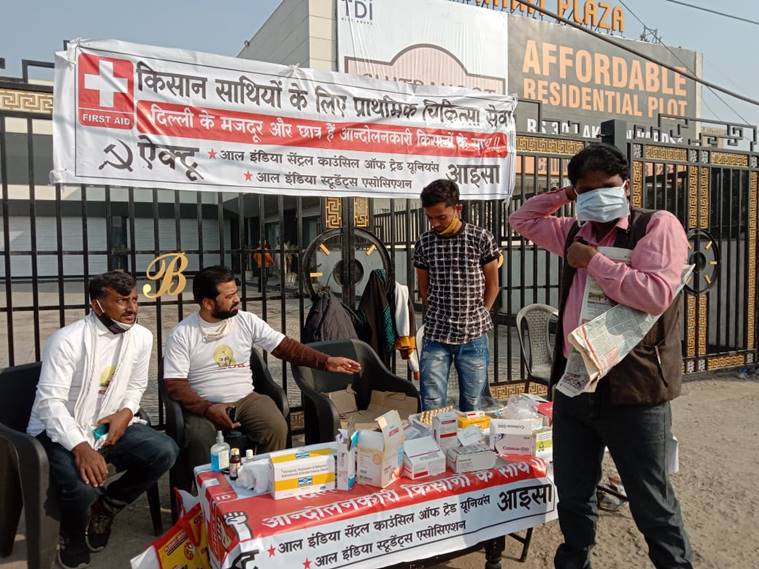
x=207, y=368
x=94, y=373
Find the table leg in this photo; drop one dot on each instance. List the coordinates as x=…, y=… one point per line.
x=493, y=550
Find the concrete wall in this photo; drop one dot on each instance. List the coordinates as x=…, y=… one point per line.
x=284, y=36
x=299, y=32
x=322, y=34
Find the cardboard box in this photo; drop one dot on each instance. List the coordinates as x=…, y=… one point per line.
x=542, y=444
x=522, y=436
x=344, y=400
x=470, y=458
x=384, y=401
x=381, y=402
x=379, y=454
x=545, y=410
x=512, y=444
x=359, y=420
x=473, y=418
x=421, y=458
x=445, y=429
x=515, y=426
x=295, y=472
x=470, y=436
x=345, y=404
x=346, y=459
x=513, y=436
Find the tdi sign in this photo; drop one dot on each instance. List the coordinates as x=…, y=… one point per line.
x=360, y=10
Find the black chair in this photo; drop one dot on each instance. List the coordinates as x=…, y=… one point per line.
x=321, y=419
x=180, y=475
x=25, y=473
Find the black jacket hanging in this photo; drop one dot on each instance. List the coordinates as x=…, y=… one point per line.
x=377, y=312
x=329, y=319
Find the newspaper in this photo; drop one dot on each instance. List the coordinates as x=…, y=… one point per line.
x=594, y=301
x=606, y=334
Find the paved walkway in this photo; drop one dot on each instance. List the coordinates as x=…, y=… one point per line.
x=718, y=428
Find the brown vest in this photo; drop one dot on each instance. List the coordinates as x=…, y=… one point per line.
x=652, y=372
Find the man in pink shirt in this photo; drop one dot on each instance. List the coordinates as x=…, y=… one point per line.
x=630, y=412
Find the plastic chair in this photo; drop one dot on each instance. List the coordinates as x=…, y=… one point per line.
x=22, y=453
x=537, y=318
x=321, y=418
x=180, y=475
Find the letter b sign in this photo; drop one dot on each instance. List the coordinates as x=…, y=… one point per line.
x=166, y=270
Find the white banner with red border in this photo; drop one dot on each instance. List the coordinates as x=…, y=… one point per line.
x=370, y=528
x=143, y=116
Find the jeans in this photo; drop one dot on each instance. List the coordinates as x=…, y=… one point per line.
x=142, y=453
x=471, y=361
x=637, y=437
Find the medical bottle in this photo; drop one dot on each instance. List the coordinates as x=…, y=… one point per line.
x=234, y=464
x=219, y=454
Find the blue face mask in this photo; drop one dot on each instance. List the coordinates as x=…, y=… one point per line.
x=602, y=205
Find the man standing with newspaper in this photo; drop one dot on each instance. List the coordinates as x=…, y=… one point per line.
x=629, y=412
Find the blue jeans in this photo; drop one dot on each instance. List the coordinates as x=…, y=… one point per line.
x=143, y=453
x=637, y=437
x=471, y=361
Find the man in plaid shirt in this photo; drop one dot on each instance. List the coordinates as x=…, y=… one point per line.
x=457, y=271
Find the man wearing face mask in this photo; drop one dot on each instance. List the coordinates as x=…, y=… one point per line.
x=94, y=373
x=457, y=271
x=630, y=412
x=207, y=368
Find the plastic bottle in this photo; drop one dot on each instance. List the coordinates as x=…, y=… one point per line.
x=234, y=464
x=219, y=453
x=248, y=456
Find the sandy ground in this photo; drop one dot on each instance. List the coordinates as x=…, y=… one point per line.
x=718, y=427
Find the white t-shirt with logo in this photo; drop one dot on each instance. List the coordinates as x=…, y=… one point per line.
x=215, y=360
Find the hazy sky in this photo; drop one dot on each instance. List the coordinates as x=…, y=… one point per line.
x=35, y=29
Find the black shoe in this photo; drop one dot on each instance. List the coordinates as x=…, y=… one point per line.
x=99, y=530
x=73, y=552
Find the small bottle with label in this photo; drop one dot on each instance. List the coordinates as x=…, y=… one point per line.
x=234, y=464
x=248, y=456
x=219, y=454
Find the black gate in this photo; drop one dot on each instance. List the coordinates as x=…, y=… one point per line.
x=54, y=237
x=713, y=191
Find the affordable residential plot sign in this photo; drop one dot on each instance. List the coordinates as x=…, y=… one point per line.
x=135, y=115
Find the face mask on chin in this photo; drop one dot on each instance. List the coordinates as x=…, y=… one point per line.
x=602, y=205
x=114, y=326
x=452, y=227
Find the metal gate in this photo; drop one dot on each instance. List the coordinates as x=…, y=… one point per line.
x=54, y=237
x=713, y=191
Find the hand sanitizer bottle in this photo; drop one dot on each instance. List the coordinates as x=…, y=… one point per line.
x=219, y=454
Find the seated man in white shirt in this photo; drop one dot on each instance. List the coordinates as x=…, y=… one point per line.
x=207, y=368
x=94, y=373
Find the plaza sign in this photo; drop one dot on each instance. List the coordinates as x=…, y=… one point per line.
x=597, y=15
x=578, y=80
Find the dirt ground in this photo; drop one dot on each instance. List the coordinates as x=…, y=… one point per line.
x=717, y=423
